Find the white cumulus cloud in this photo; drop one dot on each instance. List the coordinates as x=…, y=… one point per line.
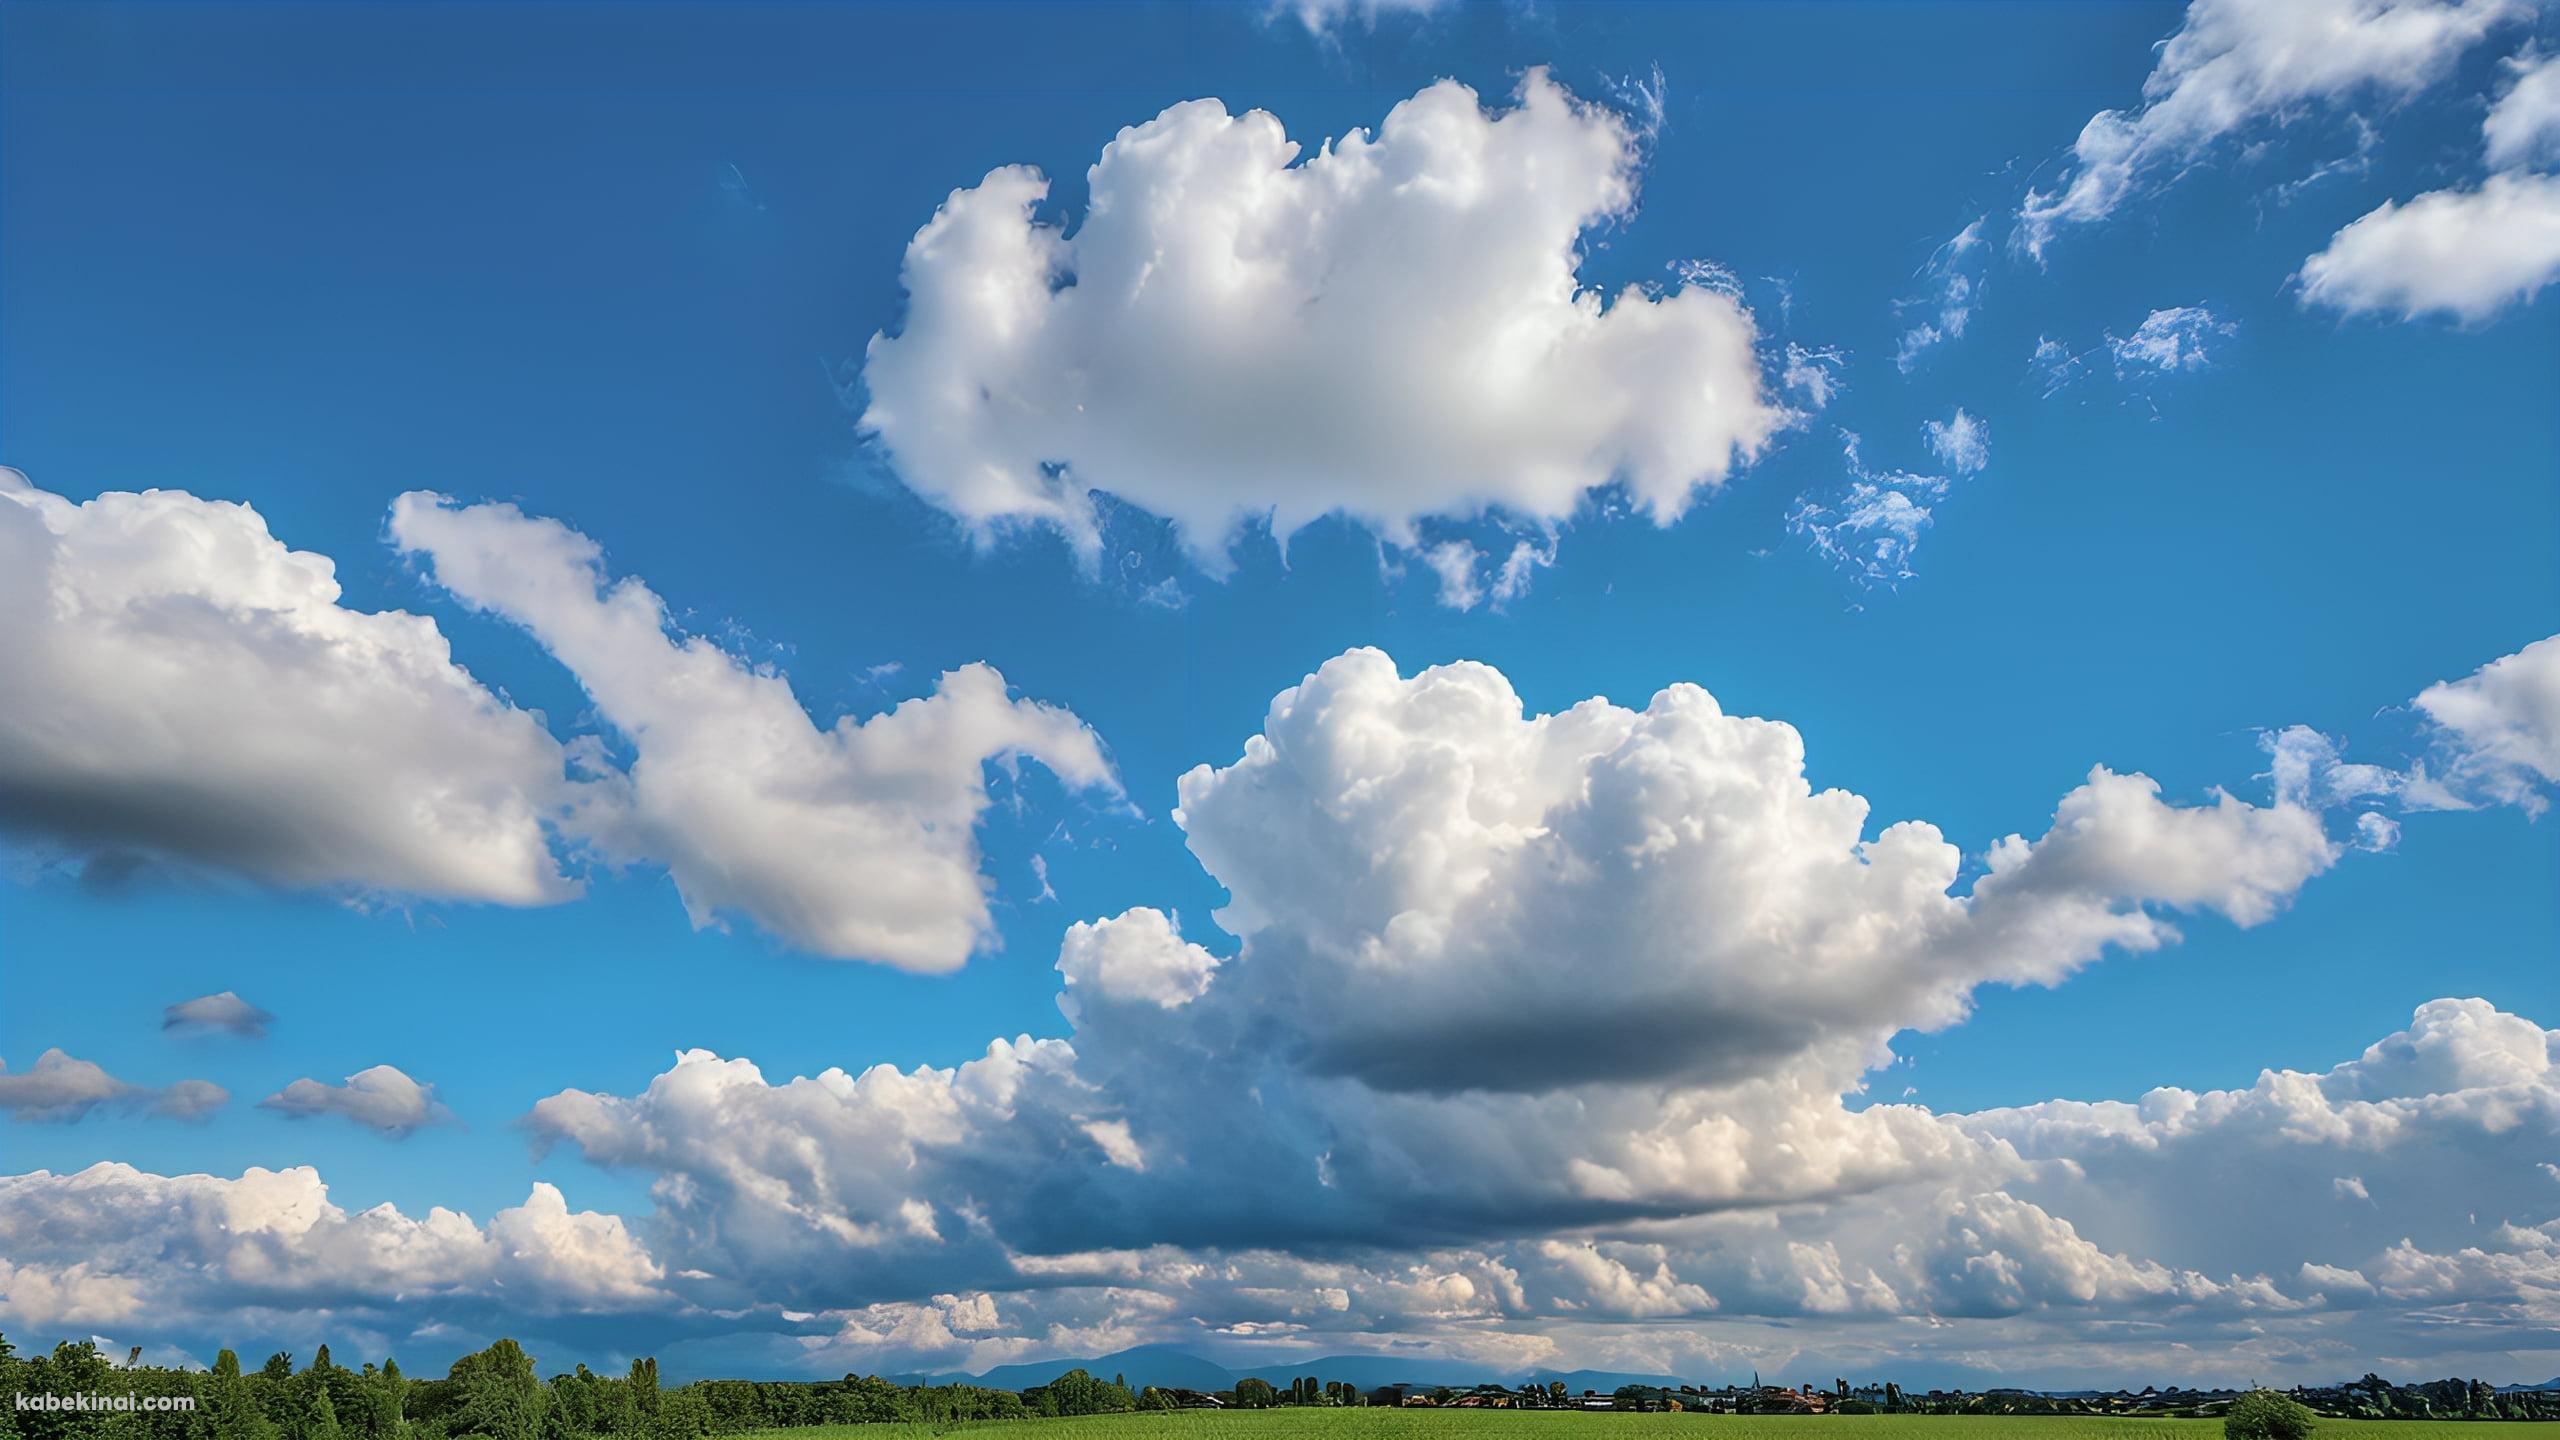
x=855, y=840
x=176, y=684
x=1402, y=1046
x=1139, y=955
x=1391, y=328
x=383, y=1098
x=111, y=1245
x=2523, y=128
x=2464, y=253
x=62, y=1087
x=2501, y=725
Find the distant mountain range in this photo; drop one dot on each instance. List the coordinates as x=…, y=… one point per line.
x=1170, y=1368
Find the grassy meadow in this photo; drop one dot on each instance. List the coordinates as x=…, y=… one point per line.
x=1378, y=1423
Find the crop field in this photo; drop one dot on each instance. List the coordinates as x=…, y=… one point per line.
x=1417, y=1424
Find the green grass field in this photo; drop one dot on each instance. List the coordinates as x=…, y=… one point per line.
x=1385, y=1424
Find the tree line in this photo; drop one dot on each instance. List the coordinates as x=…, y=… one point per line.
x=492, y=1394
x=496, y=1394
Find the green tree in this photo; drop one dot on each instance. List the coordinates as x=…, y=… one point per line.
x=231, y=1407
x=313, y=1414
x=70, y=1370
x=2267, y=1415
x=682, y=1414
x=1078, y=1393
x=9, y=1382
x=272, y=1387
x=319, y=1417
x=384, y=1400
x=496, y=1395
x=1255, y=1393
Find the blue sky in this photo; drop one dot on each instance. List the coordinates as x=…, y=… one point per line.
x=619, y=269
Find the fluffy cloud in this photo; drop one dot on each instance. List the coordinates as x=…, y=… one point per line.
x=1395, y=1054
x=178, y=685
x=223, y=1011
x=857, y=840
x=2523, y=128
x=838, y=1179
x=1138, y=956
x=2464, y=253
x=1394, y=1115
x=2234, y=64
x=111, y=1245
x=191, y=691
x=61, y=1087
x=1403, y=843
x=2047, y=1230
x=2500, y=726
x=2438, y=1126
x=1392, y=328
x=382, y=1098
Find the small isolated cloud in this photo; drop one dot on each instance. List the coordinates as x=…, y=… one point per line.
x=2178, y=340
x=59, y=1087
x=382, y=1099
x=1813, y=374
x=1872, y=527
x=1869, y=530
x=2467, y=254
x=1951, y=284
x=1961, y=441
x=190, y=1100
x=222, y=1011
x=1326, y=19
x=1137, y=956
x=1454, y=562
x=2171, y=341
x=1468, y=576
